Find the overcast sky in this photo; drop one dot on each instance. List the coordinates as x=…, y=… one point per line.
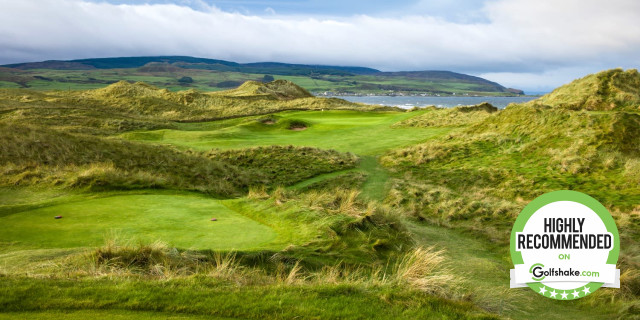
x=533, y=45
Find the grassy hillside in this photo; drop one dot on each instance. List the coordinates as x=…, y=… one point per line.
x=176, y=73
x=124, y=106
x=285, y=165
x=450, y=117
x=614, y=89
x=480, y=177
x=86, y=161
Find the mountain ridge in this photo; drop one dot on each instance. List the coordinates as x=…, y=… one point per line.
x=319, y=78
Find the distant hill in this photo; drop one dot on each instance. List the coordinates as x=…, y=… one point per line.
x=613, y=89
x=213, y=74
x=451, y=76
x=192, y=63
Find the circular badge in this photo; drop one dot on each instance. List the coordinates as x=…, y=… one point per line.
x=565, y=246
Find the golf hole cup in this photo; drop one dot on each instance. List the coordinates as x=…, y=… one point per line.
x=565, y=246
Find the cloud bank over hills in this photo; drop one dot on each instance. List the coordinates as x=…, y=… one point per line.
x=521, y=43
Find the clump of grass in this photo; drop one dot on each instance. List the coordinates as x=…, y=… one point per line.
x=422, y=269
x=268, y=120
x=502, y=301
x=118, y=257
x=297, y=125
x=258, y=192
x=156, y=259
x=632, y=170
x=106, y=175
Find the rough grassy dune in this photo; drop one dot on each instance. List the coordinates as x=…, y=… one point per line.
x=614, y=89
x=449, y=117
x=125, y=106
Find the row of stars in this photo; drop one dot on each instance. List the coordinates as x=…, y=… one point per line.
x=564, y=295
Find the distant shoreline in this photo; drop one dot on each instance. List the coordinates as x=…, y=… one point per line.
x=408, y=102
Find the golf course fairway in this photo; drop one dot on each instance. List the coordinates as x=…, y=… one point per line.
x=183, y=221
x=361, y=133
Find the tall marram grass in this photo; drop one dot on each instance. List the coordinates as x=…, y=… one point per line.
x=481, y=176
x=422, y=269
x=450, y=117
x=32, y=155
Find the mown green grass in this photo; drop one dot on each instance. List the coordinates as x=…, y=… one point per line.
x=101, y=314
x=206, y=297
x=180, y=220
x=361, y=133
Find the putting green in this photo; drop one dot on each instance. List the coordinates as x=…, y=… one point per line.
x=183, y=221
x=362, y=133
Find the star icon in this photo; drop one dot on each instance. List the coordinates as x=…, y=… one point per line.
x=586, y=290
x=543, y=290
x=553, y=294
x=576, y=293
x=564, y=295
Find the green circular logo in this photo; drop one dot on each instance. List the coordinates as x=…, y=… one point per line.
x=565, y=246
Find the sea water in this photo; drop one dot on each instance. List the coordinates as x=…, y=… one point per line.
x=409, y=102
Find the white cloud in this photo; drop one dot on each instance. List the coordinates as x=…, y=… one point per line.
x=521, y=39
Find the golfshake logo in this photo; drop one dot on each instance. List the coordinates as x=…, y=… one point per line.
x=565, y=245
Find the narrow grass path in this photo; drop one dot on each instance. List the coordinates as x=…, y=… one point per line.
x=374, y=187
x=486, y=271
x=319, y=178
